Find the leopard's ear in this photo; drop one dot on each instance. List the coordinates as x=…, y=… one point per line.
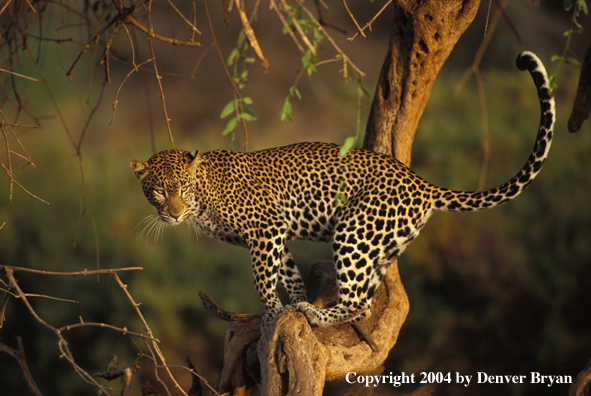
x=192, y=166
x=141, y=168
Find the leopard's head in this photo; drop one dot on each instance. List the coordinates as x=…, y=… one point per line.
x=169, y=182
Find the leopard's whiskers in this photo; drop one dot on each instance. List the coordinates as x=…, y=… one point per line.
x=153, y=225
x=193, y=224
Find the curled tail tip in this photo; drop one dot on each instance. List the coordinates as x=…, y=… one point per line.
x=527, y=61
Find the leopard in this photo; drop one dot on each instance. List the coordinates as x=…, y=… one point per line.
x=261, y=200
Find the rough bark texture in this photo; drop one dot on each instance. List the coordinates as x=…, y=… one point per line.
x=423, y=35
x=295, y=358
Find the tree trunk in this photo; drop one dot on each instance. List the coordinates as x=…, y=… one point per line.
x=423, y=35
x=295, y=358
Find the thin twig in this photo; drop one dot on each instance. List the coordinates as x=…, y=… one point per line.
x=238, y=94
x=107, y=326
x=105, y=271
x=474, y=69
x=346, y=59
x=115, y=102
x=286, y=25
x=353, y=18
x=298, y=27
x=62, y=343
x=368, y=24
x=17, y=74
x=192, y=25
x=485, y=133
x=13, y=180
x=149, y=332
x=158, y=76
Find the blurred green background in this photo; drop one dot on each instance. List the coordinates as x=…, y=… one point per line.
x=505, y=291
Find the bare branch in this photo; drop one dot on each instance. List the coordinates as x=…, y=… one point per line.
x=18, y=75
x=62, y=343
x=250, y=34
x=353, y=18
x=115, y=102
x=108, y=271
x=158, y=76
x=192, y=25
x=19, y=355
x=124, y=373
x=368, y=24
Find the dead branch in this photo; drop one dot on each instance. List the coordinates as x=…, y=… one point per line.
x=107, y=271
x=124, y=373
x=249, y=32
x=196, y=389
x=115, y=102
x=19, y=355
x=148, y=390
x=18, y=75
x=125, y=15
x=475, y=70
x=158, y=76
x=353, y=18
x=368, y=24
x=582, y=105
x=58, y=332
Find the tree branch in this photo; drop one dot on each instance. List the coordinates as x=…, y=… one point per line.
x=19, y=355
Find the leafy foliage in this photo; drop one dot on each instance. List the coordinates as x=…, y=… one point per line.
x=576, y=7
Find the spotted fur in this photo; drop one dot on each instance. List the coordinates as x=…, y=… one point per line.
x=263, y=199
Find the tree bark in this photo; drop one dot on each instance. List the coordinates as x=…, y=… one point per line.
x=422, y=37
x=295, y=358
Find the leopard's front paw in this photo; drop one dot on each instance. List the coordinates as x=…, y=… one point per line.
x=269, y=318
x=307, y=309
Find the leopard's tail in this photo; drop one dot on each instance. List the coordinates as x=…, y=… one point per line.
x=455, y=201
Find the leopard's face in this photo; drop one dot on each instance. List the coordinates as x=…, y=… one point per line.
x=169, y=183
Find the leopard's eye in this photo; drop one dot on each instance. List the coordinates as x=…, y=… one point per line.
x=159, y=191
x=185, y=188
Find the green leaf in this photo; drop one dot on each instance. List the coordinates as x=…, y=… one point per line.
x=248, y=114
x=555, y=58
x=582, y=4
x=571, y=61
x=294, y=92
x=230, y=126
x=348, y=145
x=552, y=81
x=247, y=100
x=234, y=54
x=228, y=109
x=286, y=111
x=364, y=90
x=568, y=4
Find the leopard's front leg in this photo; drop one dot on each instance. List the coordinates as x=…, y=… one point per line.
x=266, y=262
x=290, y=278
